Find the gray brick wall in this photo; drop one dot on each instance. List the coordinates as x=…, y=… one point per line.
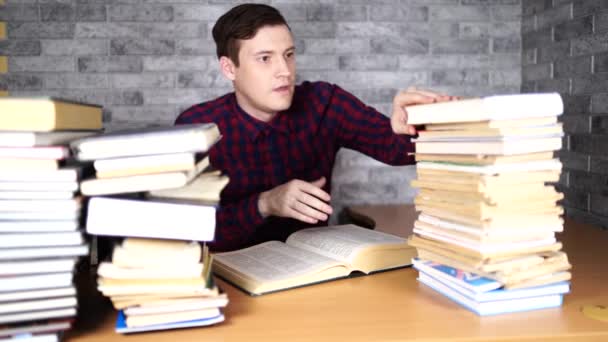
x=145, y=60
x=565, y=49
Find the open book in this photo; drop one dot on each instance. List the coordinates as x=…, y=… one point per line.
x=310, y=256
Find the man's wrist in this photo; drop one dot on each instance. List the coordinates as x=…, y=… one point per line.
x=262, y=205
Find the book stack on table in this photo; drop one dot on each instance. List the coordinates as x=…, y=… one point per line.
x=154, y=189
x=40, y=211
x=489, y=212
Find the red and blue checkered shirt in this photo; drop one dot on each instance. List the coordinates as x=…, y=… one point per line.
x=299, y=143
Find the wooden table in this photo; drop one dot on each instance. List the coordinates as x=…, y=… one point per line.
x=390, y=305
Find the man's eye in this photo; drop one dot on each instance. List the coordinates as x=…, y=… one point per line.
x=290, y=54
x=264, y=59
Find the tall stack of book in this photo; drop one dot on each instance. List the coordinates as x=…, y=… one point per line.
x=40, y=236
x=163, y=195
x=489, y=214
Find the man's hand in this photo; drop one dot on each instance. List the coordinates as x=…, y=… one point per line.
x=412, y=96
x=297, y=199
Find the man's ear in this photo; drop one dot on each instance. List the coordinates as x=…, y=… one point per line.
x=228, y=68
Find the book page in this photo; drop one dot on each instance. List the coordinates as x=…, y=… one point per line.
x=274, y=260
x=340, y=242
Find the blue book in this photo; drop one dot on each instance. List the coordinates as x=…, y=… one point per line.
x=493, y=307
x=121, y=324
x=470, y=281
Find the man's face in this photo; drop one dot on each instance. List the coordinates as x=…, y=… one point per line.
x=265, y=78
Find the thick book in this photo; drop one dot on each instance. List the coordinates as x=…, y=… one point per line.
x=42, y=239
x=473, y=283
x=43, y=326
x=42, y=152
x=22, y=164
x=31, y=139
x=145, y=252
x=43, y=252
x=147, y=141
x=205, y=188
x=38, y=304
x=36, y=282
x=37, y=315
x=150, y=219
x=38, y=186
x=68, y=174
x=123, y=328
x=483, y=159
x=43, y=114
x=158, y=163
x=500, y=107
x=310, y=256
x=496, y=306
x=483, y=134
x=38, y=226
x=493, y=124
x=177, y=305
x=36, y=266
x=38, y=294
x=491, y=147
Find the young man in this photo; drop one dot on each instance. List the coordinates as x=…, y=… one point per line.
x=280, y=140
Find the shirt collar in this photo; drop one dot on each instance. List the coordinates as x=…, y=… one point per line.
x=254, y=127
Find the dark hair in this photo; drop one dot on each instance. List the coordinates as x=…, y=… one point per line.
x=242, y=22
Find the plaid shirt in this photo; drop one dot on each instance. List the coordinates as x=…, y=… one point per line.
x=299, y=143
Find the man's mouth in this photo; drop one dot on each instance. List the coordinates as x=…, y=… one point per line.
x=282, y=89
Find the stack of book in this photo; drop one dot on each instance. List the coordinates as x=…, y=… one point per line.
x=161, y=284
x=486, y=233
x=40, y=236
x=163, y=195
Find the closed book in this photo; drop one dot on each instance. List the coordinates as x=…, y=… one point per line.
x=472, y=282
x=45, y=152
x=38, y=186
x=36, y=195
x=22, y=164
x=110, y=271
x=493, y=124
x=38, y=294
x=122, y=328
x=206, y=188
x=158, y=163
x=43, y=114
x=31, y=139
x=151, y=219
x=176, y=305
x=483, y=159
x=147, y=141
x=38, y=304
x=36, y=281
x=43, y=252
x=19, y=267
x=483, y=134
x=500, y=107
x=39, y=215
x=496, y=306
x=68, y=174
x=40, y=205
x=43, y=326
x=491, y=147
x=38, y=226
x=146, y=252
x=20, y=240
x=37, y=315
x=172, y=317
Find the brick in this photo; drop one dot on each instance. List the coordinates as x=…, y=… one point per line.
x=203, y=79
x=337, y=46
x=146, y=80
x=453, y=61
x=598, y=204
x=587, y=218
x=554, y=16
x=299, y=11
x=398, y=13
x=536, y=72
x=104, y=64
x=589, y=84
x=178, y=63
x=551, y=51
x=180, y=96
x=313, y=29
x=375, y=95
x=369, y=29
x=561, y=86
x=133, y=30
x=40, y=30
x=190, y=12
x=351, y=13
x=589, y=45
x=19, y=12
x=506, y=13
x=528, y=56
x=601, y=22
x=599, y=125
x=586, y=7
x=75, y=81
x=574, y=161
x=490, y=2
x=105, y=97
x=74, y=47
x=531, y=7
x=576, y=104
x=57, y=12
x=459, y=77
x=316, y=62
x=364, y=79
x=42, y=64
x=568, y=67
x=16, y=81
x=20, y=47
x=460, y=46
x=142, y=115
x=576, y=124
x=459, y=13
x=142, y=12
x=511, y=77
x=600, y=63
x=528, y=87
x=576, y=199
x=574, y=28
x=589, y=144
x=580, y=180
x=92, y=12
x=599, y=164
x=506, y=45
x=528, y=24
x=599, y=103
x=388, y=45
x=369, y=62
x=195, y=47
x=485, y=30
x=537, y=38
x=149, y=46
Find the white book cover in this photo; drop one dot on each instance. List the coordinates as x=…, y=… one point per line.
x=38, y=304
x=34, y=205
x=32, y=338
x=31, y=139
x=36, y=195
x=151, y=219
x=36, y=282
x=114, y=164
x=15, y=240
x=543, y=165
x=20, y=267
x=52, y=152
x=494, y=147
x=37, y=315
x=43, y=252
x=37, y=294
x=38, y=186
x=16, y=226
x=68, y=174
x=40, y=215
